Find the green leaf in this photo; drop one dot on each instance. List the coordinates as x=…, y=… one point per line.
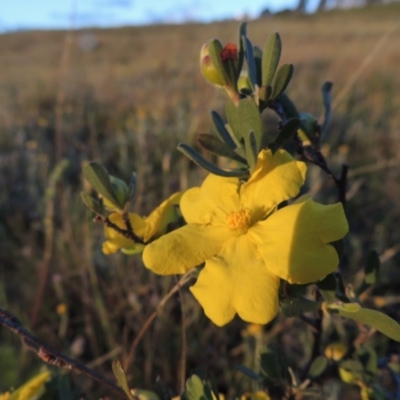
x=93, y=204
x=294, y=307
x=208, y=166
x=347, y=307
x=270, y=59
x=258, y=62
x=142, y=394
x=317, y=368
x=368, y=357
x=286, y=133
x=195, y=389
x=381, y=322
x=233, y=118
x=242, y=32
x=120, y=375
x=249, y=119
x=224, y=133
x=248, y=372
x=288, y=106
x=251, y=149
x=251, y=65
x=264, y=94
x=309, y=126
x=100, y=181
x=215, y=146
x=132, y=187
x=273, y=365
x=281, y=80
x=214, y=49
x=326, y=97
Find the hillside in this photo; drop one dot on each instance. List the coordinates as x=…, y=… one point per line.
x=126, y=97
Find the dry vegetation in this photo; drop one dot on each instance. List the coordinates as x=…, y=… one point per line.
x=125, y=97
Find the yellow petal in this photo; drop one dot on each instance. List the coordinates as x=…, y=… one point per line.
x=276, y=178
x=294, y=240
x=157, y=222
x=209, y=204
x=237, y=281
x=116, y=240
x=183, y=249
x=138, y=225
x=34, y=387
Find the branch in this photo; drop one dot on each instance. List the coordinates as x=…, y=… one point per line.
x=49, y=355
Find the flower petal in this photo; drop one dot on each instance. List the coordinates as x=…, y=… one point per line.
x=183, y=249
x=237, y=281
x=115, y=240
x=210, y=203
x=294, y=241
x=159, y=219
x=276, y=178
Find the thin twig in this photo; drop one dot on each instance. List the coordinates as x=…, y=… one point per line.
x=182, y=363
x=131, y=355
x=49, y=355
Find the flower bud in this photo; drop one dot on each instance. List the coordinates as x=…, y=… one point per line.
x=208, y=69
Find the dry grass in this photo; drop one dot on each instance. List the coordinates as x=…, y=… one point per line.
x=130, y=95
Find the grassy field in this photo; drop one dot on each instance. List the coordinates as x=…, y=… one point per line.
x=126, y=97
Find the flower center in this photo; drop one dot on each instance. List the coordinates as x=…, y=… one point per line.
x=239, y=220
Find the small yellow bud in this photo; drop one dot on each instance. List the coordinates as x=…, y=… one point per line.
x=62, y=309
x=335, y=351
x=208, y=69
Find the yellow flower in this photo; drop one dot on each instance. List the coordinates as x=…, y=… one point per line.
x=247, y=243
x=32, y=389
x=153, y=226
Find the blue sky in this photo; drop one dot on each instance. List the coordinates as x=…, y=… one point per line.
x=61, y=14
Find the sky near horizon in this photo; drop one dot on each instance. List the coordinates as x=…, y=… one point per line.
x=66, y=14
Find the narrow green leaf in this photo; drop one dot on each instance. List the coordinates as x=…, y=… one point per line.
x=251, y=149
x=214, y=49
x=224, y=133
x=213, y=384
x=286, y=133
x=258, y=62
x=120, y=375
x=326, y=98
x=264, y=93
x=381, y=322
x=347, y=307
x=248, y=372
x=93, y=204
x=132, y=187
x=318, y=367
x=208, y=166
x=215, y=146
x=100, y=181
x=232, y=115
x=294, y=307
x=288, y=106
x=251, y=65
x=270, y=59
x=273, y=365
x=281, y=80
x=368, y=357
x=242, y=32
